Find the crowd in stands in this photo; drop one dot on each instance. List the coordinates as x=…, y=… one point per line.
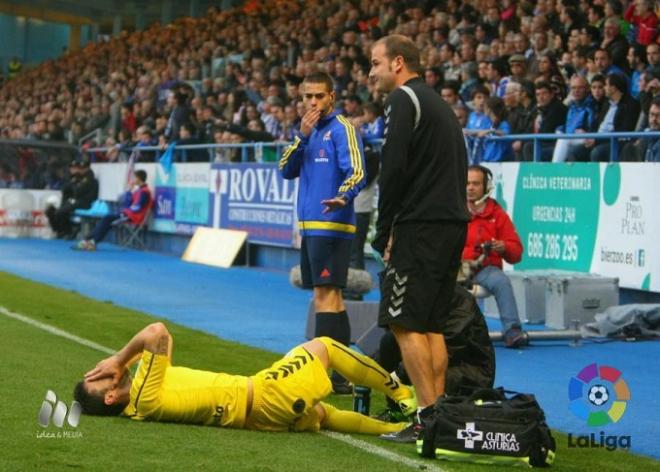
x=506, y=67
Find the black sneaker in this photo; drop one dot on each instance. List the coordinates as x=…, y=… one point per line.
x=515, y=338
x=342, y=388
x=340, y=385
x=389, y=415
x=408, y=435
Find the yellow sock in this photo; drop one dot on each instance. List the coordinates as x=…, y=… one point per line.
x=361, y=370
x=344, y=421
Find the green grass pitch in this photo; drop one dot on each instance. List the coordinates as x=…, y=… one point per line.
x=33, y=361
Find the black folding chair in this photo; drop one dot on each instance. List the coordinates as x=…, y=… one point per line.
x=129, y=234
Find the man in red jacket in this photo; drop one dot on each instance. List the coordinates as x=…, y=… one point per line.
x=491, y=231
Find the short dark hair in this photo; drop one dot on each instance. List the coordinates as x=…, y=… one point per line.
x=374, y=108
x=497, y=107
x=656, y=101
x=399, y=45
x=93, y=403
x=609, y=56
x=320, y=78
x=598, y=78
x=592, y=31
x=482, y=89
x=582, y=51
x=543, y=85
x=453, y=85
x=639, y=52
x=141, y=174
x=618, y=81
x=598, y=10
x=617, y=7
x=500, y=66
x=188, y=126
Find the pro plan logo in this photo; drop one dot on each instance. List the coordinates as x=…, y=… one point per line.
x=490, y=440
x=469, y=435
x=599, y=396
x=56, y=412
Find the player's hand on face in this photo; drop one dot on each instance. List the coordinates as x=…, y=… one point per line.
x=107, y=368
x=309, y=120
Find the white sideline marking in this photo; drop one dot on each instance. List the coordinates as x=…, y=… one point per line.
x=56, y=331
x=382, y=452
x=365, y=446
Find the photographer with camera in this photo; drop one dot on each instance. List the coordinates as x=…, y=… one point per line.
x=491, y=238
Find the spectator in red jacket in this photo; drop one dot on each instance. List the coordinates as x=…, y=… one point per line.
x=640, y=14
x=136, y=203
x=492, y=233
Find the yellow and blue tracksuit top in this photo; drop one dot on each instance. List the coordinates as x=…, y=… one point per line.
x=330, y=163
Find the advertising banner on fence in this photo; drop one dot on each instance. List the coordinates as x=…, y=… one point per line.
x=22, y=212
x=585, y=217
x=256, y=199
x=181, y=198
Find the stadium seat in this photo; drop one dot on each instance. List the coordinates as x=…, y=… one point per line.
x=128, y=234
x=84, y=218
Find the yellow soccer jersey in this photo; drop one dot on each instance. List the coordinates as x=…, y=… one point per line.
x=161, y=392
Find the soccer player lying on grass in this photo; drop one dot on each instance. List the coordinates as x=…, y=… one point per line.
x=285, y=397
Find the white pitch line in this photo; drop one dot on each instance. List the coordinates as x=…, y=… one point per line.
x=56, y=331
x=365, y=446
x=384, y=453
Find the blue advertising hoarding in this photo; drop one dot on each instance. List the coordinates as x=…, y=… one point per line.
x=254, y=197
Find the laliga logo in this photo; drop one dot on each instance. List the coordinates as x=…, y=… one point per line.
x=599, y=396
x=52, y=409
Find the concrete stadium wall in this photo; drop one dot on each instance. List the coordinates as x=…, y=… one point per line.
x=32, y=41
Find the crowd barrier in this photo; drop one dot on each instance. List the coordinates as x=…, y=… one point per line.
x=615, y=140
x=34, y=164
x=585, y=217
x=270, y=152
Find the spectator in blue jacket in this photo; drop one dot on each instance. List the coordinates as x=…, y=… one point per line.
x=328, y=157
x=374, y=126
x=496, y=151
x=637, y=61
x=579, y=118
x=477, y=121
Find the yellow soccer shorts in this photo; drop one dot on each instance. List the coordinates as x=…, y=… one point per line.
x=286, y=392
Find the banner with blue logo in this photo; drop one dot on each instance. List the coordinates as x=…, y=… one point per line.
x=254, y=198
x=181, y=198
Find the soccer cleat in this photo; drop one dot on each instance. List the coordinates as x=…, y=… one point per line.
x=408, y=435
x=409, y=405
x=390, y=415
x=342, y=387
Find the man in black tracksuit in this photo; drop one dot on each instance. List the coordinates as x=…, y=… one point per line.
x=79, y=192
x=422, y=217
